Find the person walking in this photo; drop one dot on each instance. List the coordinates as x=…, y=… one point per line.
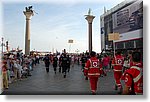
x=68, y=63
x=87, y=55
x=83, y=61
x=93, y=70
x=105, y=62
x=117, y=63
x=133, y=77
x=55, y=59
x=64, y=64
x=60, y=63
x=47, y=62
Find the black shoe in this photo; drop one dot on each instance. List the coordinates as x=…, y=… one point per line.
x=101, y=76
x=29, y=75
x=64, y=76
x=59, y=70
x=86, y=78
x=116, y=87
x=93, y=93
x=120, y=91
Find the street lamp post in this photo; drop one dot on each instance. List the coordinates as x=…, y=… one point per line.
x=77, y=51
x=7, y=46
x=2, y=45
x=90, y=18
x=70, y=41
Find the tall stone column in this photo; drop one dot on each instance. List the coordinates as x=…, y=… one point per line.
x=28, y=13
x=90, y=18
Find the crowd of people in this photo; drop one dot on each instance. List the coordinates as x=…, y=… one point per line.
x=106, y=62
x=64, y=61
x=16, y=67
x=127, y=67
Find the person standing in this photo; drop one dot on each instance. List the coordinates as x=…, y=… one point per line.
x=93, y=70
x=38, y=59
x=73, y=60
x=19, y=70
x=133, y=77
x=47, y=62
x=15, y=67
x=55, y=59
x=8, y=69
x=126, y=64
x=4, y=74
x=117, y=63
x=78, y=59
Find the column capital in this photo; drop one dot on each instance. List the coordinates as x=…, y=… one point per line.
x=28, y=14
x=89, y=18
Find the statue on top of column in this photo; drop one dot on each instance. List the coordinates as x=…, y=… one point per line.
x=89, y=12
x=29, y=9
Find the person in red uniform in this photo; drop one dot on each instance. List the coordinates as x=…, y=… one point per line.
x=93, y=70
x=117, y=63
x=133, y=77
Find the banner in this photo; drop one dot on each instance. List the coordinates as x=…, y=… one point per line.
x=129, y=18
x=113, y=36
x=70, y=41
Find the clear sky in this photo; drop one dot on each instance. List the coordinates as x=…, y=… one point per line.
x=57, y=21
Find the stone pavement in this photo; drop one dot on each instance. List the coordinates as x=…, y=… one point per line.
x=48, y=83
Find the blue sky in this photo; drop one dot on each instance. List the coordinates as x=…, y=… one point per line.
x=57, y=21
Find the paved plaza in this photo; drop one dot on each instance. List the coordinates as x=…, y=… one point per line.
x=48, y=83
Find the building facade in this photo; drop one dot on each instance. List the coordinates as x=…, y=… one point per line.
x=126, y=19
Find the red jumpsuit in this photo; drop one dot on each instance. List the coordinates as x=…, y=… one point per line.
x=117, y=62
x=93, y=69
x=134, y=78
